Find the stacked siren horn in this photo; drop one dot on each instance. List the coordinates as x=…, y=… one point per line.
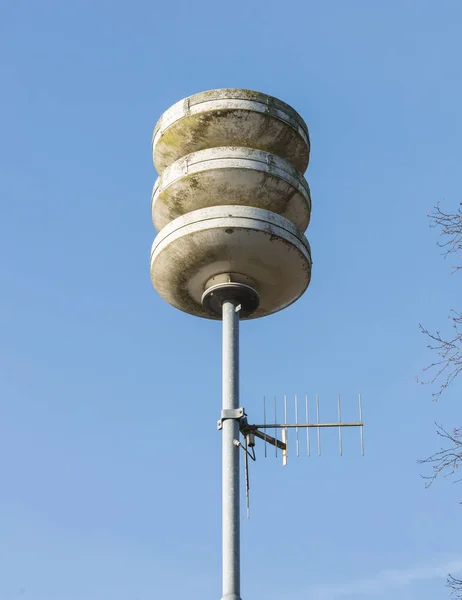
x=231, y=204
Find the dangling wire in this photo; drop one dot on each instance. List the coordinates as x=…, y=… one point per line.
x=248, y=455
x=247, y=480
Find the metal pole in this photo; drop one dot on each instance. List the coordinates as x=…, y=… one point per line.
x=230, y=432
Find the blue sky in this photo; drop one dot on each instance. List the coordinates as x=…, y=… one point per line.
x=110, y=458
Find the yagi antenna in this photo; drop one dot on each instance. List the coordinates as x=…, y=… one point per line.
x=231, y=206
x=259, y=430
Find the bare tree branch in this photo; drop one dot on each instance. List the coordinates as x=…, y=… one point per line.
x=449, y=352
x=447, y=460
x=455, y=585
x=448, y=363
x=450, y=225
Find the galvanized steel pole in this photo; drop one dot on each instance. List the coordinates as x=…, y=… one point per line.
x=230, y=432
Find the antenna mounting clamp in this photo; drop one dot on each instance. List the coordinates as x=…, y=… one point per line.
x=231, y=413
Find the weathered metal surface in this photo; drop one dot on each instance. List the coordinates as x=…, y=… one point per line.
x=261, y=245
x=230, y=175
x=230, y=117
